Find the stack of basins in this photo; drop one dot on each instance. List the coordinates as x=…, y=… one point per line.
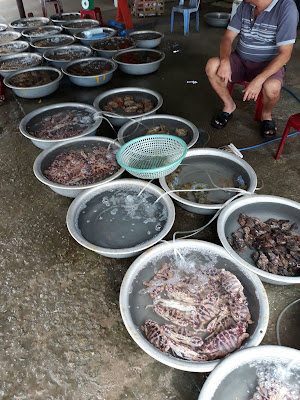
x=187, y=303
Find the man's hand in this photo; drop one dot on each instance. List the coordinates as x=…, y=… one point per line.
x=253, y=89
x=224, y=71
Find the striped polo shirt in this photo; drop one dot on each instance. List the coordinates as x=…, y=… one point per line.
x=260, y=39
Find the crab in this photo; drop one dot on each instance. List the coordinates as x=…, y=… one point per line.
x=226, y=341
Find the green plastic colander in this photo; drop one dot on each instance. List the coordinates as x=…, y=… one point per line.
x=153, y=156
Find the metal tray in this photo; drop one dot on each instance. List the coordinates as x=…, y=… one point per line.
x=66, y=39
x=33, y=118
x=137, y=93
x=138, y=69
x=36, y=59
x=134, y=129
x=263, y=207
x=36, y=91
x=20, y=24
x=90, y=81
x=214, y=161
x=236, y=376
x=44, y=160
x=132, y=303
x=146, y=43
x=120, y=184
x=60, y=63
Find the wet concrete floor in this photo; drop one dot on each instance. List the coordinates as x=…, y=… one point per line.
x=62, y=336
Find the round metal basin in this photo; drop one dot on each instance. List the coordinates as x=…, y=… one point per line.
x=87, y=41
x=135, y=242
x=32, y=120
x=26, y=60
x=187, y=253
x=3, y=27
x=139, y=127
x=23, y=23
x=41, y=32
x=236, y=376
x=137, y=93
x=45, y=159
x=210, y=168
x=144, y=42
x=73, y=51
x=77, y=25
x=90, y=81
x=51, y=42
x=59, y=19
x=11, y=48
x=262, y=207
x=9, y=36
x=217, y=19
x=34, y=92
x=138, y=69
x=99, y=45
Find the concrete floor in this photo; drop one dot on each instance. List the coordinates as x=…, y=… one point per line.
x=62, y=336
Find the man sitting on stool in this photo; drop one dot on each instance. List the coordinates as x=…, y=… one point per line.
x=268, y=31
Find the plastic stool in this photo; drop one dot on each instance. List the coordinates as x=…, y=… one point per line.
x=293, y=122
x=95, y=14
x=57, y=4
x=259, y=104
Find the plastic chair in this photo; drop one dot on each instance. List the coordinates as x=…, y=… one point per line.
x=95, y=14
x=293, y=122
x=57, y=4
x=193, y=6
x=259, y=104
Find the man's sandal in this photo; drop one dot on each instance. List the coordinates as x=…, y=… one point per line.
x=220, y=121
x=268, y=129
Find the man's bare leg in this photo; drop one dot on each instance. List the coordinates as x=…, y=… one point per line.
x=270, y=97
x=219, y=85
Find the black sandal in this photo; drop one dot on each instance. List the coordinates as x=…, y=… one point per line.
x=268, y=126
x=223, y=117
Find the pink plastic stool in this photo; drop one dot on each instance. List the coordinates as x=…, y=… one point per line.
x=259, y=104
x=95, y=14
x=293, y=122
x=57, y=5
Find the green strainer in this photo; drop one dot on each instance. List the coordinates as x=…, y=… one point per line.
x=153, y=156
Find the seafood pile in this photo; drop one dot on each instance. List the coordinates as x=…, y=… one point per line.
x=66, y=17
x=146, y=36
x=18, y=63
x=138, y=57
x=271, y=385
x=53, y=41
x=61, y=126
x=163, y=130
x=89, y=68
x=33, y=78
x=276, y=242
x=67, y=54
x=114, y=43
x=82, y=167
x=127, y=104
x=200, y=195
x=28, y=24
x=11, y=48
x=43, y=31
x=81, y=24
x=7, y=38
x=208, y=311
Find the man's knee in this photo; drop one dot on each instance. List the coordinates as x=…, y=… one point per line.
x=272, y=89
x=212, y=66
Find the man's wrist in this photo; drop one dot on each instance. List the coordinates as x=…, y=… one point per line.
x=225, y=60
